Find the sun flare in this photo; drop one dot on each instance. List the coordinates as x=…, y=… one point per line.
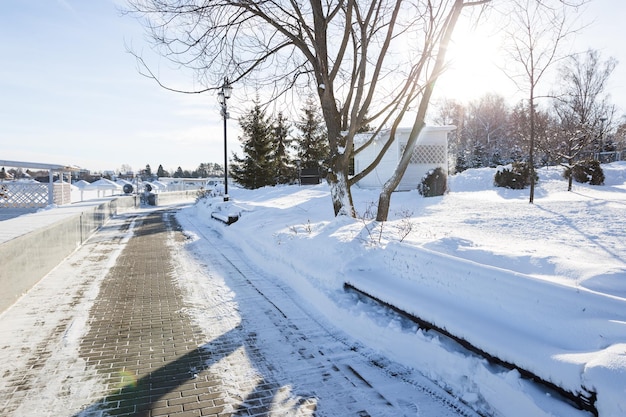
x=473, y=58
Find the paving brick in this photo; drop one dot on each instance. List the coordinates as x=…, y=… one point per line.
x=213, y=411
x=166, y=411
x=191, y=413
x=196, y=405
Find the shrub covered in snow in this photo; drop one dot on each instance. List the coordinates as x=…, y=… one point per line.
x=585, y=171
x=435, y=183
x=515, y=176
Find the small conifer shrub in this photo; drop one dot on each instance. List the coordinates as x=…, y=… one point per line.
x=515, y=176
x=434, y=183
x=585, y=171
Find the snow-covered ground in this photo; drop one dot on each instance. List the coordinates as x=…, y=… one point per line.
x=542, y=286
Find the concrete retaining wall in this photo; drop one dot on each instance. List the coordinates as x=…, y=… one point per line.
x=29, y=257
x=171, y=197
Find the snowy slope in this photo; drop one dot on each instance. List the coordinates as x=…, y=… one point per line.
x=542, y=286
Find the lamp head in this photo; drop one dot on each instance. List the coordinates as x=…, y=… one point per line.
x=227, y=89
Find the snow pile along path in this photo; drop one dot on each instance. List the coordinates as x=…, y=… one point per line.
x=542, y=286
x=475, y=302
x=283, y=347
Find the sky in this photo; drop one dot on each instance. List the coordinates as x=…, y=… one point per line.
x=70, y=93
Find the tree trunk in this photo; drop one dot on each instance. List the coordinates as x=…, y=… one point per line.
x=570, y=175
x=337, y=177
x=384, y=199
x=531, y=154
x=384, y=202
x=340, y=193
x=569, y=181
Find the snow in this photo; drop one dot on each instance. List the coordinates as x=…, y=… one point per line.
x=541, y=286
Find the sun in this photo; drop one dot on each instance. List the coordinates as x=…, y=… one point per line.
x=473, y=70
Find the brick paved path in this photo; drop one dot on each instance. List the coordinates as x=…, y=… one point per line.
x=143, y=343
x=110, y=332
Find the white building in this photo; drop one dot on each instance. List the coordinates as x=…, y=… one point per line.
x=431, y=151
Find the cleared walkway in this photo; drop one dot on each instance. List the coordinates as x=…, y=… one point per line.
x=139, y=340
x=109, y=333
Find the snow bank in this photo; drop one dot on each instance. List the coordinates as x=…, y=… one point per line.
x=542, y=286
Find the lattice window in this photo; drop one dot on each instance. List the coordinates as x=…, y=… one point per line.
x=23, y=195
x=427, y=154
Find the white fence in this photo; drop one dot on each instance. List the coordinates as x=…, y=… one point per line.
x=608, y=157
x=17, y=194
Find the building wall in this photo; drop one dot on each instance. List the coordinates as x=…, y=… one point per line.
x=430, y=152
x=378, y=176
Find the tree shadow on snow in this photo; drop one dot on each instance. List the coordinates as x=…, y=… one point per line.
x=192, y=382
x=593, y=239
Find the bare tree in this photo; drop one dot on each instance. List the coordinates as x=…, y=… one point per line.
x=582, y=108
x=420, y=87
x=367, y=60
x=486, y=124
x=126, y=169
x=535, y=32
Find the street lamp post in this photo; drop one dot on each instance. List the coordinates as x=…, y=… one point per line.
x=223, y=95
x=602, y=120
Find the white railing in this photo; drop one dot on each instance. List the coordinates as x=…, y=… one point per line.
x=17, y=194
x=607, y=157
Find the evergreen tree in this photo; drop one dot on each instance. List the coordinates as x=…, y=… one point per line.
x=311, y=144
x=478, y=156
x=217, y=171
x=147, y=173
x=256, y=168
x=496, y=159
x=285, y=170
x=179, y=173
x=202, y=171
x=161, y=172
x=461, y=162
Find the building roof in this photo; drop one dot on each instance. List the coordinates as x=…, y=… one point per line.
x=37, y=165
x=361, y=138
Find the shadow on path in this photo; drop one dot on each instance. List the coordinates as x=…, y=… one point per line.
x=189, y=383
x=154, y=361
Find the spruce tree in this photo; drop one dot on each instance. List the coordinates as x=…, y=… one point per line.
x=311, y=144
x=256, y=168
x=161, y=172
x=478, y=156
x=285, y=170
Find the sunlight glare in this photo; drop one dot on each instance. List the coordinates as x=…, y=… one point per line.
x=473, y=58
